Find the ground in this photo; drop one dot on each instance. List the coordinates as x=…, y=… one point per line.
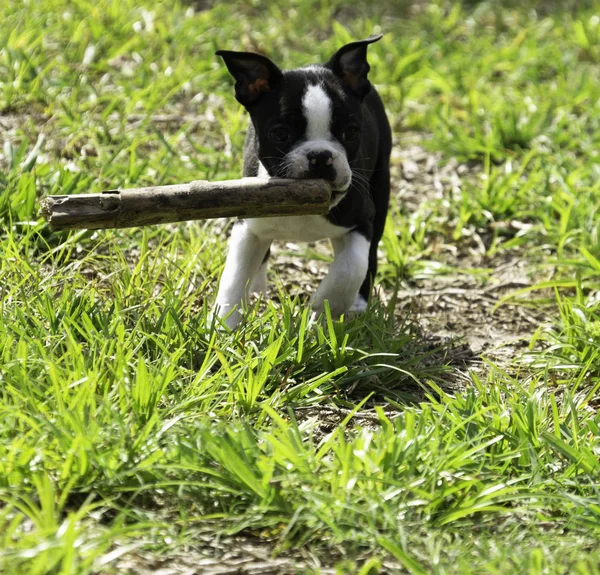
x=453, y=428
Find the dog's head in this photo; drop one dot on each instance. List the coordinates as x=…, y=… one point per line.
x=308, y=121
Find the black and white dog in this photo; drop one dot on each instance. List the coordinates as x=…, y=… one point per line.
x=321, y=121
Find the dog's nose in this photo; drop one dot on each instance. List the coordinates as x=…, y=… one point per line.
x=320, y=164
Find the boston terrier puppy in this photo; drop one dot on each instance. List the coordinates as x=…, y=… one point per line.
x=321, y=121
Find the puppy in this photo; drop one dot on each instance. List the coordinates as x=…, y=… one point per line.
x=321, y=121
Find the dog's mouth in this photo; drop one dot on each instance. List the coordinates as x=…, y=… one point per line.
x=337, y=196
x=338, y=192
x=338, y=189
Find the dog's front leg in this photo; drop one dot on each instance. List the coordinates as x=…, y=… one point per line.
x=346, y=274
x=246, y=252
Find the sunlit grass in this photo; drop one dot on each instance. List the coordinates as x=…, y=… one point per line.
x=129, y=421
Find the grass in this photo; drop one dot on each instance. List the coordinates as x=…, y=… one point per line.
x=131, y=429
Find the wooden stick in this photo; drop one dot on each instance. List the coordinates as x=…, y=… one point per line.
x=246, y=198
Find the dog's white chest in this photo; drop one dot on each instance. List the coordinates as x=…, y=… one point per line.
x=295, y=228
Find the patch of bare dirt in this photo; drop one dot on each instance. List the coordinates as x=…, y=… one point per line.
x=463, y=303
x=231, y=555
x=213, y=555
x=461, y=307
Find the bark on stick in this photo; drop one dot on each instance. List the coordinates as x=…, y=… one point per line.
x=244, y=198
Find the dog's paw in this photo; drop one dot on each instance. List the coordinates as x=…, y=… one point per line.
x=222, y=317
x=259, y=282
x=359, y=306
x=337, y=307
x=318, y=308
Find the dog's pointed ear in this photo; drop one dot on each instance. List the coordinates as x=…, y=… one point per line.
x=254, y=75
x=350, y=64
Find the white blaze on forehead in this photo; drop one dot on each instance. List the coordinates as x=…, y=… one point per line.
x=316, y=106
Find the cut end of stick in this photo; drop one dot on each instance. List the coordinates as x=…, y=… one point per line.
x=45, y=210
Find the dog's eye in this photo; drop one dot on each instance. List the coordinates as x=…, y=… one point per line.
x=280, y=134
x=350, y=133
